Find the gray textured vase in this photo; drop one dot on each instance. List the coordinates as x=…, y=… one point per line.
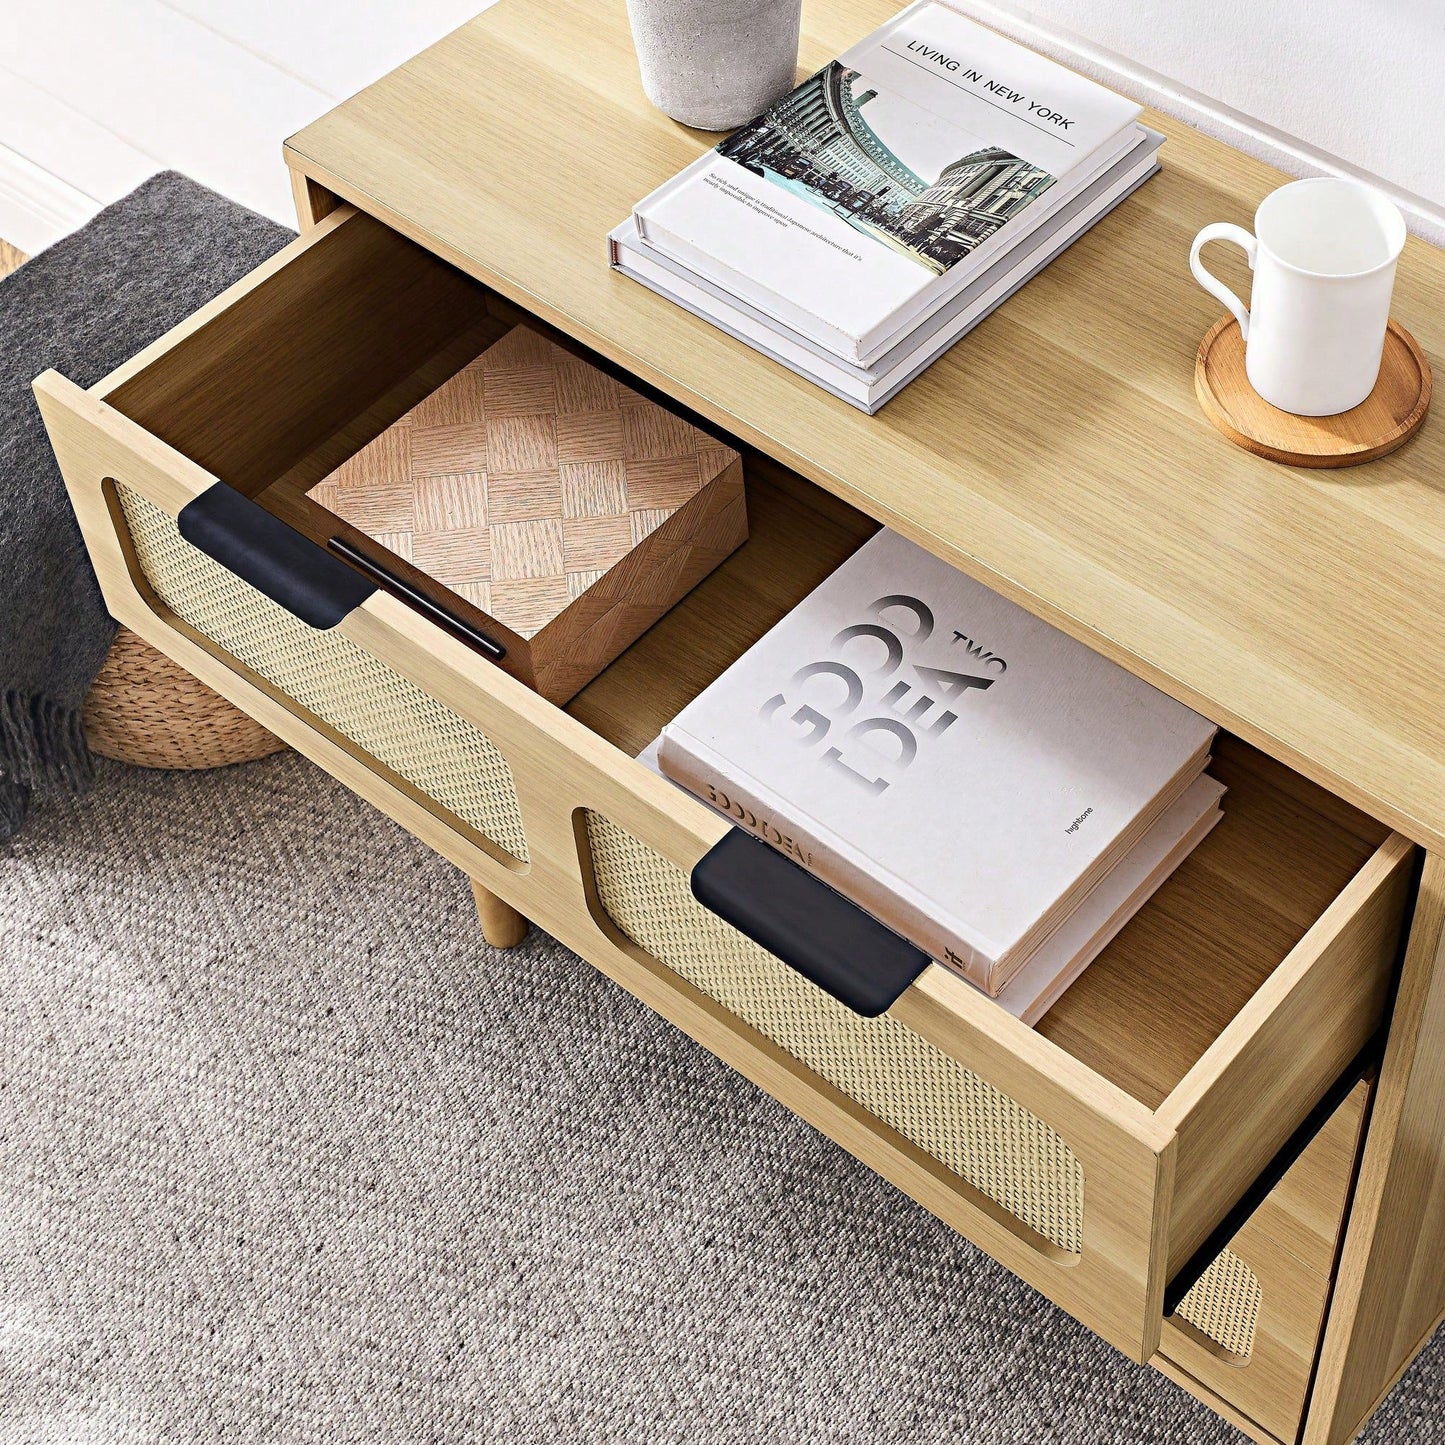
x=714, y=64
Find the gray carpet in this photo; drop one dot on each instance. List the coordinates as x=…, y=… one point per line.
x=288, y=1154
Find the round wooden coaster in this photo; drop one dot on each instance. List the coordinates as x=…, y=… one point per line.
x=1388, y=417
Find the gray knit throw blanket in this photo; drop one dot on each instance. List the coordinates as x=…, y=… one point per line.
x=83, y=307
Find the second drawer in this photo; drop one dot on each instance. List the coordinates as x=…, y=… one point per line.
x=1248, y=1334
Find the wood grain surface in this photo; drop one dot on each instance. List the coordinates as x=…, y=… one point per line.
x=335, y=340
x=1127, y=1150
x=523, y=479
x=1290, y=1242
x=1386, y=419
x=1391, y=1288
x=1057, y=453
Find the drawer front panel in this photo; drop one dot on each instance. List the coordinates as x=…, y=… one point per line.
x=991, y=1142
x=995, y=1145
x=1248, y=1332
x=385, y=715
x=1224, y=1305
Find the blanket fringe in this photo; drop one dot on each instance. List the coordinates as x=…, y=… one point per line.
x=41, y=743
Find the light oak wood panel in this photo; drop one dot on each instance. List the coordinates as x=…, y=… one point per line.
x=1305, y=1213
x=1391, y=1289
x=247, y=390
x=1319, y=1005
x=1294, y=1038
x=10, y=258
x=312, y=202
x=1057, y=454
x=1170, y=986
x=1290, y=1243
x=1220, y=1404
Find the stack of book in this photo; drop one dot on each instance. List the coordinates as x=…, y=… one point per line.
x=997, y=793
x=866, y=221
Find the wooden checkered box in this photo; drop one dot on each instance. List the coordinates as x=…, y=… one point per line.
x=551, y=507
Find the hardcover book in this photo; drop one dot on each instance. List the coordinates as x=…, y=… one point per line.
x=880, y=186
x=869, y=388
x=1113, y=901
x=962, y=770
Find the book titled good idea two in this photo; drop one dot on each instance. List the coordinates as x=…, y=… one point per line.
x=964, y=771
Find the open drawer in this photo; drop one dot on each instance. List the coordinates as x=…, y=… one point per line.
x=1092, y=1156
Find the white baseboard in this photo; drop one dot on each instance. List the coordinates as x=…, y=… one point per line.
x=1287, y=152
x=37, y=208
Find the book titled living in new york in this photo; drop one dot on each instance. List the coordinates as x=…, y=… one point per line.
x=867, y=197
x=962, y=770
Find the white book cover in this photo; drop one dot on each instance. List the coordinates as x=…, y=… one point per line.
x=869, y=388
x=961, y=769
x=884, y=181
x=1115, y=899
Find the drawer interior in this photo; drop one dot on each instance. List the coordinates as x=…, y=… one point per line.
x=1144, y=1012
x=275, y=390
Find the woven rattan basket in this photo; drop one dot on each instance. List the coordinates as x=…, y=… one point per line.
x=146, y=710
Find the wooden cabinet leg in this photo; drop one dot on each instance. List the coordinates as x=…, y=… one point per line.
x=502, y=925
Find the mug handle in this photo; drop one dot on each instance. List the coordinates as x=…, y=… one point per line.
x=1223, y=231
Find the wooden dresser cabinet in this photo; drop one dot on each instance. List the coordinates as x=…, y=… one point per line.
x=1222, y=1149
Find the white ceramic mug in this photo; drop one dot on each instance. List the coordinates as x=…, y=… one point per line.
x=1323, y=255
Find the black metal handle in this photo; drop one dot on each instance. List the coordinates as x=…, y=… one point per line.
x=828, y=939
x=311, y=582
x=1219, y=1239
x=272, y=556
x=488, y=646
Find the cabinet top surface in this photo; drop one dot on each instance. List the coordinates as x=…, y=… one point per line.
x=1057, y=452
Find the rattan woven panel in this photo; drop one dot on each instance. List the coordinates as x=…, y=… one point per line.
x=990, y=1141
x=1224, y=1304
x=384, y=714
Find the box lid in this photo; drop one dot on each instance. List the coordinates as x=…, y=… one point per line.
x=523, y=479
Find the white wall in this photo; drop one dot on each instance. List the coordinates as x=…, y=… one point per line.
x=97, y=94
x=1313, y=85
